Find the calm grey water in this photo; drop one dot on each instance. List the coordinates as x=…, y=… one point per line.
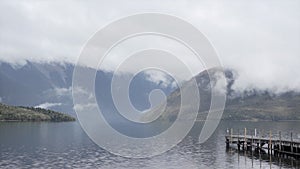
x=65, y=145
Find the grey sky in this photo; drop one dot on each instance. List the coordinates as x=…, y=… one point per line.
x=260, y=39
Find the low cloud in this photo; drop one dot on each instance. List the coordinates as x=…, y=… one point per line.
x=48, y=105
x=63, y=92
x=160, y=78
x=89, y=106
x=221, y=83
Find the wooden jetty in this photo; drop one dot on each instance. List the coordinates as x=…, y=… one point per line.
x=277, y=146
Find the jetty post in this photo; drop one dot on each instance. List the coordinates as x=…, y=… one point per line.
x=280, y=144
x=238, y=142
x=292, y=142
x=245, y=140
x=270, y=143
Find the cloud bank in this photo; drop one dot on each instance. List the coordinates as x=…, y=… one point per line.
x=259, y=39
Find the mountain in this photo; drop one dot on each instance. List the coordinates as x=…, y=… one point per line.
x=13, y=113
x=34, y=84
x=48, y=85
x=251, y=105
x=264, y=106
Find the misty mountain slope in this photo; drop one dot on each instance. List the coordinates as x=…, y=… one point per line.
x=264, y=106
x=48, y=85
x=204, y=88
x=250, y=105
x=18, y=85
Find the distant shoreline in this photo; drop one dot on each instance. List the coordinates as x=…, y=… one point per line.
x=31, y=114
x=17, y=121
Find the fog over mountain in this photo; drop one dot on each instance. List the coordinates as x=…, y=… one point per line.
x=260, y=40
x=252, y=104
x=49, y=86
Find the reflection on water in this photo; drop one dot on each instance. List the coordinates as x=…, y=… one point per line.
x=263, y=157
x=65, y=145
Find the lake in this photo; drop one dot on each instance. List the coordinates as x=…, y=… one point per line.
x=65, y=145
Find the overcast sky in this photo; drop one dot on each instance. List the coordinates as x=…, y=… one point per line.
x=259, y=39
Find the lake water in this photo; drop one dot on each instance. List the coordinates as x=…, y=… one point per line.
x=65, y=145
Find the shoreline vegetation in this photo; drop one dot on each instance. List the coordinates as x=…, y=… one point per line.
x=31, y=114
